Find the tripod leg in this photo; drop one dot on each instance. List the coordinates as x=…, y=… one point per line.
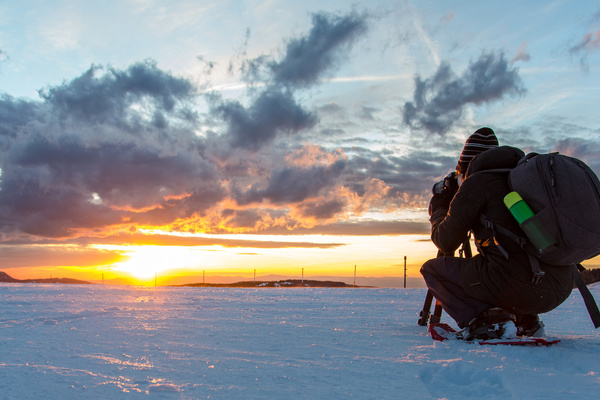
x=437, y=313
x=467, y=248
x=424, y=316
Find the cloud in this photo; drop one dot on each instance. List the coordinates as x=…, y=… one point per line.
x=294, y=184
x=439, y=101
x=362, y=228
x=14, y=116
x=104, y=149
x=587, y=44
x=115, y=150
x=322, y=209
x=585, y=149
x=309, y=58
x=590, y=43
x=3, y=55
x=274, y=112
x=273, y=109
x=449, y=16
x=115, y=96
x=47, y=247
x=523, y=54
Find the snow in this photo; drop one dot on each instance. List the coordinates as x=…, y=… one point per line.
x=95, y=341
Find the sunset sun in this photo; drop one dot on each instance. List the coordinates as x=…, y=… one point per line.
x=145, y=262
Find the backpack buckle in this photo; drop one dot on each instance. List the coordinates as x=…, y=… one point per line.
x=538, y=276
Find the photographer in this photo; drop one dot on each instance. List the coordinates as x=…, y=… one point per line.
x=492, y=290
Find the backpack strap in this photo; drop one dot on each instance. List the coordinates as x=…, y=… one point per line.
x=487, y=223
x=588, y=299
x=538, y=274
x=494, y=170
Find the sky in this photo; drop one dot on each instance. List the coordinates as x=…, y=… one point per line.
x=189, y=139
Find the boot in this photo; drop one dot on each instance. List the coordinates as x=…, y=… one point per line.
x=494, y=323
x=529, y=325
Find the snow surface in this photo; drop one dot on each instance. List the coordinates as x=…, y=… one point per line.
x=94, y=341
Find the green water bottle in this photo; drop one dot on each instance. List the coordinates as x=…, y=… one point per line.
x=533, y=228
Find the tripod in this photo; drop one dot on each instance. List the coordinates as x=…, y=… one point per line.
x=425, y=316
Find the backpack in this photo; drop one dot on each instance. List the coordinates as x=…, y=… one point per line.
x=564, y=194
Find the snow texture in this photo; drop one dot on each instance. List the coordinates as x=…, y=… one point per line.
x=94, y=341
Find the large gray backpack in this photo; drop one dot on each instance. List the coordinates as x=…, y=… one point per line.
x=564, y=194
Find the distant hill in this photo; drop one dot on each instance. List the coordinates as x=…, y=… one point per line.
x=4, y=277
x=282, y=283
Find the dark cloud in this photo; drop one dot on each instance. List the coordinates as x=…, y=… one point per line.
x=438, y=102
x=108, y=98
x=331, y=108
x=273, y=109
x=15, y=114
x=294, y=184
x=273, y=112
x=409, y=174
x=309, y=58
x=323, y=209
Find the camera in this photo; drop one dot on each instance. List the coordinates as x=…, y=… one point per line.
x=450, y=182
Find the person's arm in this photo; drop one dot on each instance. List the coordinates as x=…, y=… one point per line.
x=450, y=226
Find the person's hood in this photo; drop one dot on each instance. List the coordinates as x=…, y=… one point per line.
x=496, y=158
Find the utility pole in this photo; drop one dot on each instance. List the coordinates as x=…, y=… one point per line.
x=254, y=276
x=303, y=276
x=404, y=272
x=354, y=284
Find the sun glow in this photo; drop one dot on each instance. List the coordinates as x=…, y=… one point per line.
x=145, y=262
x=230, y=258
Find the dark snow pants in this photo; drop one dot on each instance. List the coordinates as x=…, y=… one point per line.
x=442, y=277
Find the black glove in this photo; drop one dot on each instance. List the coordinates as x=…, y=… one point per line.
x=443, y=193
x=440, y=201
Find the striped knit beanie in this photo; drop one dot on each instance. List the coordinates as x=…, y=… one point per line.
x=483, y=139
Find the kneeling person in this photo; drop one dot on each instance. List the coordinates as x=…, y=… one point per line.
x=487, y=292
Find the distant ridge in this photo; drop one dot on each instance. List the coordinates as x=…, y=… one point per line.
x=4, y=277
x=282, y=283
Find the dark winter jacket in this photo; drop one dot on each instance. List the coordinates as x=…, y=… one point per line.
x=489, y=276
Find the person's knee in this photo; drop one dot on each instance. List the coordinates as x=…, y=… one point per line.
x=428, y=268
